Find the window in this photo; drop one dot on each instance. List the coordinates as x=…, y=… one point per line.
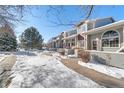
x=90, y=26
x=72, y=32
x=84, y=27
x=70, y=42
x=94, y=44
x=110, y=39
x=73, y=42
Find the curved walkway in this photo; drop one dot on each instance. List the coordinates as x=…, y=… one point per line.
x=100, y=78
x=45, y=71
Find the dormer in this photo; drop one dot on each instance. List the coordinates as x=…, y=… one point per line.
x=104, y=21
x=99, y=22
x=71, y=32
x=91, y=24
x=64, y=34
x=82, y=26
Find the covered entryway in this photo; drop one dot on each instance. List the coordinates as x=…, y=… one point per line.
x=80, y=41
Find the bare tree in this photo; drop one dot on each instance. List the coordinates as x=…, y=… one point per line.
x=10, y=14
x=57, y=11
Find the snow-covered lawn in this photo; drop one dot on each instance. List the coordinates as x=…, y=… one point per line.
x=45, y=70
x=112, y=71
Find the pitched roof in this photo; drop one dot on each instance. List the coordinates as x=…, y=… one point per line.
x=99, y=29
x=93, y=20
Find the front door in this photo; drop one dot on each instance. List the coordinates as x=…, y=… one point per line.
x=94, y=45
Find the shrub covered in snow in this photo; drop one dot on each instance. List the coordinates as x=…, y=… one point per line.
x=7, y=42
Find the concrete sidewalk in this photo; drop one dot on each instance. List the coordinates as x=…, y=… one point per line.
x=100, y=78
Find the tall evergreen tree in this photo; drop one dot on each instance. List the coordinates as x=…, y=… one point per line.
x=7, y=42
x=31, y=39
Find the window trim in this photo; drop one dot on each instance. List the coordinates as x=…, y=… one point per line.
x=110, y=37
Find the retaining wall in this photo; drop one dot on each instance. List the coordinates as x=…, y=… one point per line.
x=108, y=58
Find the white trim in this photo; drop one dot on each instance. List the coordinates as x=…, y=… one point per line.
x=115, y=36
x=86, y=27
x=85, y=42
x=76, y=41
x=123, y=35
x=110, y=37
x=96, y=30
x=105, y=52
x=110, y=47
x=70, y=37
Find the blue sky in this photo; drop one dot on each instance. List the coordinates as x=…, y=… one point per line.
x=41, y=19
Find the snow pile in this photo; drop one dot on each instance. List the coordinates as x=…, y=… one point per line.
x=1, y=58
x=46, y=71
x=112, y=71
x=72, y=56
